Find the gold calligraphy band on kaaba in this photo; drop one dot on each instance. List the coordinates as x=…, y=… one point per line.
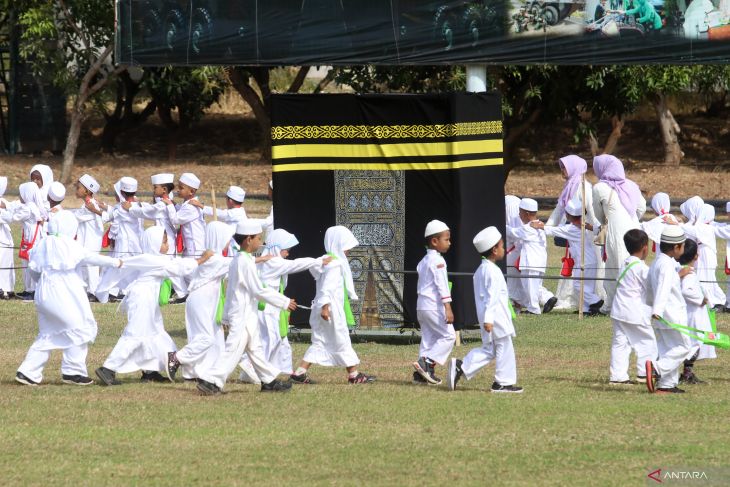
x=416, y=149
x=395, y=166
x=290, y=132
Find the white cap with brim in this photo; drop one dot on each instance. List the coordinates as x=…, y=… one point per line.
x=486, y=239
x=236, y=193
x=190, y=179
x=128, y=185
x=574, y=208
x=89, y=183
x=528, y=204
x=435, y=227
x=163, y=178
x=57, y=191
x=249, y=226
x=673, y=234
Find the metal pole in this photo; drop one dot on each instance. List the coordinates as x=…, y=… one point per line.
x=476, y=78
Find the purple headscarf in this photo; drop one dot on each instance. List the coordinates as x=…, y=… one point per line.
x=610, y=170
x=575, y=168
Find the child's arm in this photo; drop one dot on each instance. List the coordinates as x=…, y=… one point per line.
x=722, y=231
x=147, y=211
x=264, y=293
x=331, y=286
x=490, y=306
x=186, y=214
x=692, y=292
x=661, y=295
x=94, y=259
x=442, y=285
x=286, y=266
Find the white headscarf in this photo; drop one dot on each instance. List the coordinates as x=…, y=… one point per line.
x=217, y=237
x=59, y=251
x=118, y=191
x=152, y=240
x=3, y=185
x=660, y=203
x=512, y=210
x=30, y=194
x=279, y=240
x=337, y=240
x=46, y=175
x=691, y=208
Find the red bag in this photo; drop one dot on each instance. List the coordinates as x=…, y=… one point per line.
x=225, y=252
x=105, y=240
x=653, y=247
x=727, y=269
x=25, y=245
x=568, y=263
x=517, y=264
x=179, y=246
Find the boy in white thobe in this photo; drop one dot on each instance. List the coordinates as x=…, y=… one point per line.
x=668, y=305
x=243, y=293
x=631, y=313
x=56, y=195
x=91, y=227
x=331, y=312
x=532, y=261
x=495, y=320
x=233, y=213
x=571, y=232
x=191, y=235
x=433, y=307
x=7, y=274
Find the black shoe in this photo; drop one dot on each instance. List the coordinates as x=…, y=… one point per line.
x=172, y=365
x=673, y=390
x=419, y=380
x=179, y=300
x=719, y=308
x=595, y=308
x=276, y=386
x=208, y=388
x=549, y=305
x=153, y=376
x=361, y=378
x=4, y=295
x=107, y=376
x=454, y=373
x=92, y=298
x=690, y=378
x=114, y=299
x=513, y=389
x=77, y=380
x=301, y=379
x=23, y=379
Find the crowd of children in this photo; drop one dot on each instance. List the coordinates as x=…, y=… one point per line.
x=212, y=268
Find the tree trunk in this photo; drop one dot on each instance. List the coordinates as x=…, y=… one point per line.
x=617, y=125
x=173, y=129
x=72, y=141
x=240, y=82
x=512, y=137
x=669, y=129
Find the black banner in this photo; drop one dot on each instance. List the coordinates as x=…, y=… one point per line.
x=384, y=166
x=410, y=32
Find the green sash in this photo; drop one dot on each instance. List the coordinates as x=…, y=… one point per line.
x=284, y=315
x=349, y=317
x=718, y=340
x=620, y=278
x=165, y=292
x=221, y=304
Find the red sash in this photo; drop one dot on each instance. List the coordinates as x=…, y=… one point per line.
x=568, y=263
x=653, y=247
x=517, y=264
x=179, y=245
x=105, y=240
x=26, y=245
x=727, y=268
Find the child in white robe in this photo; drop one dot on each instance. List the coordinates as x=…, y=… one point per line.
x=433, y=307
x=631, y=313
x=144, y=343
x=191, y=235
x=233, y=213
x=495, y=320
x=42, y=176
x=662, y=375
x=532, y=262
x=661, y=205
x=331, y=345
x=698, y=313
x=243, y=293
x=571, y=232
x=91, y=227
x=7, y=273
x=512, y=246
x=56, y=195
x=65, y=320
x=206, y=341
x=723, y=231
x=29, y=211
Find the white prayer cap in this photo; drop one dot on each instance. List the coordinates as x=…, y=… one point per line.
x=89, y=183
x=236, y=193
x=57, y=191
x=574, y=208
x=271, y=183
x=249, y=226
x=190, y=179
x=528, y=204
x=434, y=227
x=128, y=185
x=673, y=234
x=3, y=185
x=163, y=178
x=486, y=239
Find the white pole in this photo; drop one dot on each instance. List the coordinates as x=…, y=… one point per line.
x=476, y=78
x=582, y=245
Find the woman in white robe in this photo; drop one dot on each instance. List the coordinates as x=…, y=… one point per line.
x=700, y=229
x=617, y=201
x=28, y=212
x=7, y=273
x=144, y=343
x=65, y=320
x=206, y=340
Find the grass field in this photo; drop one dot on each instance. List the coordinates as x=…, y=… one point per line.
x=568, y=428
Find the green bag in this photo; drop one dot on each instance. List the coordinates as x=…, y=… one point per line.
x=165, y=292
x=713, y=318
x=284, y=315
x=718, y=340
x=349, y=316
x=221, y=304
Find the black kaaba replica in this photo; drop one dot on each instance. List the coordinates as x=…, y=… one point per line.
x=384, y=166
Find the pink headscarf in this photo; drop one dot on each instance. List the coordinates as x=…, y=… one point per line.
x=610, y=170
x=575, y=167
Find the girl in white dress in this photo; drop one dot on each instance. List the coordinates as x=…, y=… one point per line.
x=7, y=273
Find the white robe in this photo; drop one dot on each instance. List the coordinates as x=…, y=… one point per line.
x=704, y=235
x=230, y=217
x=192, y=225
x=608, y=207
x=437, y=336
x=697, y=313
x=90, y=234
x=533, y=260
x=723, y=231
x=31, y=229
x=7, y=274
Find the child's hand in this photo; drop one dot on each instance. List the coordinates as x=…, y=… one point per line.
x=449, y=316
x=206, y=255
x=669, y=220
x=685, y=271
x=488, y=327
x=292, y=305
x=196, y=203
x=325, y=313
x=121, y=263
x=537, y=224
x=705, y=301
x=589, y=227
x=327, y=260
x=263, y=258
x=126, y=205
x=166, y=199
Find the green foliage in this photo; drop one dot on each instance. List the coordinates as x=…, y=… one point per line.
x=188, y=90
x=411, y=79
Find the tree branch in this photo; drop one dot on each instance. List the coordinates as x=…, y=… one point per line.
x=299, y=79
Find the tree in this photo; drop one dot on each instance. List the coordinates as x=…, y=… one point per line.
x=71, y=42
